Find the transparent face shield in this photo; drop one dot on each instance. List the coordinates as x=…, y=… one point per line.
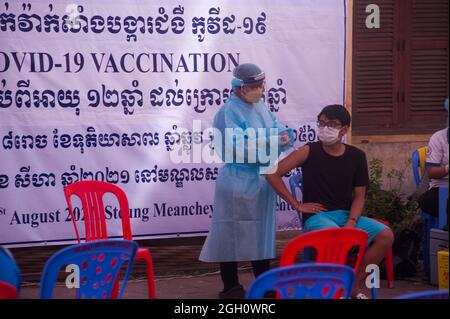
x=254, y=92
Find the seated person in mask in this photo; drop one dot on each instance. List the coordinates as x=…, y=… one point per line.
x=335, y=177
x=437, y=169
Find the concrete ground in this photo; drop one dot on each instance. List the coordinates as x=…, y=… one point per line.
x=207, y=286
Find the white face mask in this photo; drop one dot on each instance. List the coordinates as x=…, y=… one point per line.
x=328, y=135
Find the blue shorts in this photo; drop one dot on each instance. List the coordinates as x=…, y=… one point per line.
x=338, y=218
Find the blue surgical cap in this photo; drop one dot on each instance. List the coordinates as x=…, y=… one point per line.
x=246, y=74
x=446, y=104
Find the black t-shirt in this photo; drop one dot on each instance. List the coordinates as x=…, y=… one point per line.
x=330, y=180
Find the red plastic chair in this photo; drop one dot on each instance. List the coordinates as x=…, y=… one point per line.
x=332, y=245
x=91, y=194
x=8, y=291
x=296, y=180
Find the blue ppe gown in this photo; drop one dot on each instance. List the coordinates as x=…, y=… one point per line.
x=243, y=219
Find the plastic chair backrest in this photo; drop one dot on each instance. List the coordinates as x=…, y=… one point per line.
x=305, y=281
x=98, y=262
x=91, y=194
x=430, y=294
x=296, y=180
x=332, y=245
x=8, y=291
x=9, y=269
x=418, y=163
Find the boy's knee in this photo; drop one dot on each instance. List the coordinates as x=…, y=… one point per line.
x=386, y=236
x=313, y=223
x=306, y=227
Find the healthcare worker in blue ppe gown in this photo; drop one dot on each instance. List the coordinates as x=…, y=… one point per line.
x=249, y=140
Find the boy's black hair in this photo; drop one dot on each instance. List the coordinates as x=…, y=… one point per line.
x=336, y=112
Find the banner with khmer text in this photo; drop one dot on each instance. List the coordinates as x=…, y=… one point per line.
x=106, y=89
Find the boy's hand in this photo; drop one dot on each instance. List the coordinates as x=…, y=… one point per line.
x=310, y=208
x=350, y=224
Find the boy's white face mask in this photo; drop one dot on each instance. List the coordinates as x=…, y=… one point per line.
x=328, y=135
